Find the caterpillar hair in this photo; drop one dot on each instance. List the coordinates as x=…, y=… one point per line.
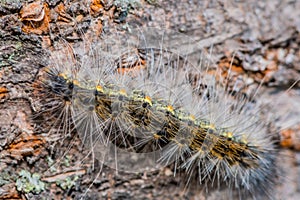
x=138, y=102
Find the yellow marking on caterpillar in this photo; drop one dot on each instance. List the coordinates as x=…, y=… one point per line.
x=69, y=103
x=229, y=135
x=123, y=92
x=148, y=100
x=99, y=88
x=170, y=109
x=210, y=126
x=156, y=136
x=76, y=82
x=63, y=75
x=192, y=118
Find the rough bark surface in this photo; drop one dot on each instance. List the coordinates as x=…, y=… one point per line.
x=262, y=35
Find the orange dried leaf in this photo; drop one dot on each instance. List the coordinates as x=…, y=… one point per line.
x=3, y=92
x=62, y=15
x=286, y=139
x=33, y=12
x=290, y=138
x=25, y=145
x=35, y=17
x=96, y=7
x=8, y=191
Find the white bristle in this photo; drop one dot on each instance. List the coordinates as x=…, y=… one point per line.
x=138, y=103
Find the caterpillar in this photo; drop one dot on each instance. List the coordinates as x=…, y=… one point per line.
x=149, y=107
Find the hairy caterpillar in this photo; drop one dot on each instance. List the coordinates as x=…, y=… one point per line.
x=148, y=106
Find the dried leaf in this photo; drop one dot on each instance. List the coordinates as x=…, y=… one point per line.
x=35, y=18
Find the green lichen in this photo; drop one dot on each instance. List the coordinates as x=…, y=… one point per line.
x=123, y=7
x=126, y=5
x=28, y=182
x=68, y=183
x=51, y=164
x=66, y=161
